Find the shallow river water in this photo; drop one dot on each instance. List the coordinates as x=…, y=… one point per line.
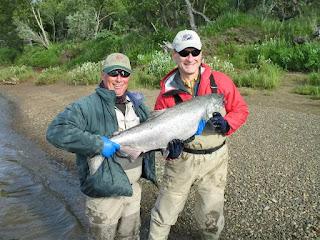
x=39, y=199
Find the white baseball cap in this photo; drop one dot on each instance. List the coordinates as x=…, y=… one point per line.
x=185, y=39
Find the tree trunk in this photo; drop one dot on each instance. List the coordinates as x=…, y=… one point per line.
x=191, y=17
x=43, y=34
x=97, y=26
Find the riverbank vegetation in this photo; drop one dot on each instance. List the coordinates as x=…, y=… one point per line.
x=255, y=42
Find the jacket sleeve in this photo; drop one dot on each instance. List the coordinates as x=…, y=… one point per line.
x=236, y=108
x=68, y=131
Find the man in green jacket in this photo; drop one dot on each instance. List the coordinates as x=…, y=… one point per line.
x=110, y=182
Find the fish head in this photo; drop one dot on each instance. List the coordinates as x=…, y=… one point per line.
x=215, y=104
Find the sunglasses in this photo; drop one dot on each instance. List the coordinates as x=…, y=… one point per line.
x=185, y=53
x=117, y=72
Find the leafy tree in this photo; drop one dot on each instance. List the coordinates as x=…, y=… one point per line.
x=91, y=18
x=81, y=25
x=8, y=33
x=174, y=13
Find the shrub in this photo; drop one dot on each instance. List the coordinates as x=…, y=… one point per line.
x=219, y=65
x=16, y=74
x=265, y=76
x=7, y=55
x=157, y=65
x=304, y=57
x=49, y=76
x=40, y=57
x=96, y=50
x=160, y=64
x=134, y=44
x=86, y=74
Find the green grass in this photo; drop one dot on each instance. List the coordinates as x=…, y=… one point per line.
x=50, y=76
x=7, y=55
x=301, y=26
x=139, y=79
x=265, y=76
x=16, y=74
x=314, y=79
x=227, y=21
x=311, y=86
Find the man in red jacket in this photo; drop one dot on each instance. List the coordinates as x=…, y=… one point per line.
x=201, y=161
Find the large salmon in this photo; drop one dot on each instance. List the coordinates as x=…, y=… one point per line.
x=178, y=122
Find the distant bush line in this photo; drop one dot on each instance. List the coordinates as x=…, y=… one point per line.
x=253, y=52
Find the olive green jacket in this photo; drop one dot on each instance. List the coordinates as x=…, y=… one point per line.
x=78, y=129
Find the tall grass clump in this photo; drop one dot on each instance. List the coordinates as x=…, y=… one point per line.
x=50, y=76
x=311, y=86
x=86, y=74
x=314, y=79
x=15, y=74
x=265, y=75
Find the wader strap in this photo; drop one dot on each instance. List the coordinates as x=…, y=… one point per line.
x=177, y=99
x=203, y=151
x=213, y=84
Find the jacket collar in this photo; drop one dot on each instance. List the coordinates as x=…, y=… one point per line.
x=107, y=95
x=110, y=97
x=172, y=83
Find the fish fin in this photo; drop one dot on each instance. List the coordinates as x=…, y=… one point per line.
x=115, y=133
x=94, y=163
x=130, y=153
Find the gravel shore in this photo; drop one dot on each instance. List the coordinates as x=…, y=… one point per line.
x=273, y=189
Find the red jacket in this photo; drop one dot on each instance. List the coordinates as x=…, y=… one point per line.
x=236, y=108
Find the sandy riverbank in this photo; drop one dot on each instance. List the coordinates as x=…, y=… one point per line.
x=273, y=182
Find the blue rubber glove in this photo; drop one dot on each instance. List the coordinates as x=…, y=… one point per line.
x=175, y=148
x=109, y=147
x=219, y=123
x=201, y=126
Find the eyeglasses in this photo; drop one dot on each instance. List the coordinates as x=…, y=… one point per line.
x=185, y=53
x=115, y=73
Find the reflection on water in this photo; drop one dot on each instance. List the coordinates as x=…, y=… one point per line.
x=28, y=210
x=31, y=206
